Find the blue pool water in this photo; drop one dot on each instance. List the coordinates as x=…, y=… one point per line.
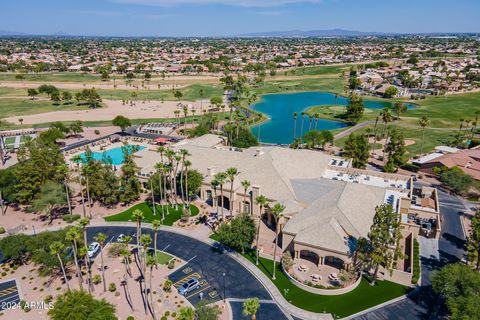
x=113, y=156
x=279, y=108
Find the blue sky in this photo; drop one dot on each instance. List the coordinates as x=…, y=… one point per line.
x=231, y=17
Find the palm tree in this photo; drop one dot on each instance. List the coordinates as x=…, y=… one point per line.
x=310, y=118
x=184, y=154
x=316, y=116
x=246, y=185
x=375, y=134
x=55, y=249
x=187, y=165
x=155, y=226
x=160, y=171
x=386, y=118
x=250, y=307
x=294, y=125
x=73, y=235
x=153, y=198
x=214, y=183
x=185, y=113
x=277, y=212
x=101, y=238
x=221, y=177
x=261, y=201
x=301, y=128
x=125, y=253
x=460, y=130
x=232, y=173
x=139, y=216
x=423, y=122
x=399, y=107
x=186, y=313
x=151, y=262
x=82, y=226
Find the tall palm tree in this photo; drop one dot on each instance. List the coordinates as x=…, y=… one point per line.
x=101, y=238
x=125, y=254
x=423, y=122
x=145, y=240
x=232, y=173
x=310, y=118
x=153, y=198
x=82, y=226
x=185, y=113
x=277, y=212
x=399, y=107
x=375, y=134
x=187, y=165
x=160, y=171
x=246, y=184
x=161, y=150
x=316, y=116
x=460, y=129
x=56, y=248
x=63, y=170
x=261, y=201
x=214, y=183
x=177, y=158
x=386, y=118
x=221, y=177
x=73, y=235
x=139, y=216
x=301, y=128
x=294, y=125
x=183, y=154
x=155, y=226
x=151, y=262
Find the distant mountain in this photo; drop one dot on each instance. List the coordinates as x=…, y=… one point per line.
x=313, y=33
x=11, y=33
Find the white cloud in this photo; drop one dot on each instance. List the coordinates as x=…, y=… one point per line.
x=238, y=3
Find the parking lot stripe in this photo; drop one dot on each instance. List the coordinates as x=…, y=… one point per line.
x=8, y=291
x=185, y=279
x=198, y=292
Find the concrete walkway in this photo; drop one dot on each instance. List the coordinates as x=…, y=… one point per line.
x=352, y=129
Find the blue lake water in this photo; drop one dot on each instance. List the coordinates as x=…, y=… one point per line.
x=114, y=155
x=279, y=108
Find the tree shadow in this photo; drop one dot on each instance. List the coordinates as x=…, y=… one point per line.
x=459, y=243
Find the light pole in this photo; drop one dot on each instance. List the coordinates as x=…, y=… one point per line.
x=224, y=274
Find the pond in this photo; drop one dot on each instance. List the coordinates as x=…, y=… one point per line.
x=279, y=108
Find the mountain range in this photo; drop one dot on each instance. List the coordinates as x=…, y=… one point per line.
x=313, y=33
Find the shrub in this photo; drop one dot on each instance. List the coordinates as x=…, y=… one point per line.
x=167, y=313
x=130, y=318
x=69, y=218
x=171, y=264
x=48, y=299
x=97, y=279
x=287, y=260
x=112, y=287
x=416, y=262
x=163, y=318
x=167, y=285
x=115, y=249
x=411, y=167
x=2, y=230
x=97, y=132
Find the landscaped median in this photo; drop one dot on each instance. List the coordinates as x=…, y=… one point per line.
x=363, y=297
x=171, y=214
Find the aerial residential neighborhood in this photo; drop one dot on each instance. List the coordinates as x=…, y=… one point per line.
x=182, y=160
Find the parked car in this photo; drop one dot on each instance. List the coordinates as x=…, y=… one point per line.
x=188, y=286
x=93, y=248
x=121, y=238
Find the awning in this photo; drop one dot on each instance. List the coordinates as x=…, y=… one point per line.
x=162, y=140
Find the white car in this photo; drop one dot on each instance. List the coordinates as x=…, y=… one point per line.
x=121, y=238
x=93, y=248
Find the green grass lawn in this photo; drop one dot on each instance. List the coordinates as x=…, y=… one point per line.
x=320, y=70
x=17, y=107
x=329, y=84
x=190, y=93
x=162, y=257
x=52, y=77
x=170, y=217
x=363, y=297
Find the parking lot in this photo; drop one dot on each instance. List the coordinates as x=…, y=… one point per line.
x=9, y=294
x=206, y=290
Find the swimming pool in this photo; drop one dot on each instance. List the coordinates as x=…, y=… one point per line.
x=114, y=155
